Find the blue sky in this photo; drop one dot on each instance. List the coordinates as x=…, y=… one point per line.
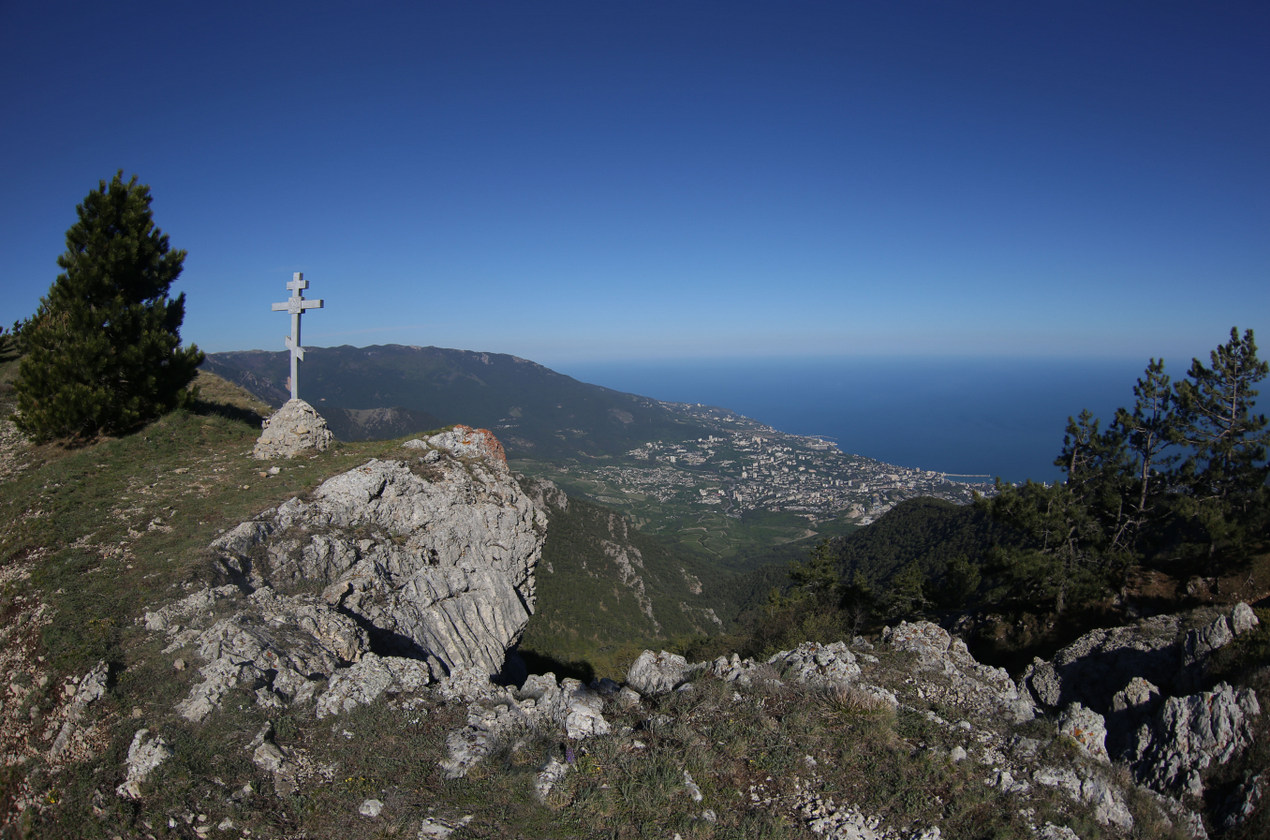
x=642, y=180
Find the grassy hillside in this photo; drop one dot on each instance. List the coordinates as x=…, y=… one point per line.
x=607, y=591
x=95, y=535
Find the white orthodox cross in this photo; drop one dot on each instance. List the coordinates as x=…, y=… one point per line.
x=296, y=304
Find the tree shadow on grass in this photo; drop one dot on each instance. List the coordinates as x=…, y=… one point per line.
x=237, y=414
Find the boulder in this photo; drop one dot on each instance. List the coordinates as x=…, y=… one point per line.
x=658, y=673
x=966, y=682
x=816, y=664
x=389, y=577
x=1086, y=785
x=503, y=714
x=1087, y=728
x=1243, y=619
x=433, y=556
x=1200, y=642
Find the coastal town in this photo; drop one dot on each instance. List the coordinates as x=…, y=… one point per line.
x=746, y=466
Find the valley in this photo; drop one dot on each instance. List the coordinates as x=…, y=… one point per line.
x=703, y=475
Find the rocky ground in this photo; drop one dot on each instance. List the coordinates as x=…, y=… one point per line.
x=340, y=669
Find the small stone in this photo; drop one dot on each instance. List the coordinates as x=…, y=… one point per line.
x=371, y=808
x=1243, y=619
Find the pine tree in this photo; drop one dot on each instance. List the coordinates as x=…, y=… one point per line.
x=102, y=353
x=1226, y=470
x=1097, y=467
x=1148, y=430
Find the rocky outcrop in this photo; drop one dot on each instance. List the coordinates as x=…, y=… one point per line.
x=1097, y=665
x=1191, y=733
x=1121, y=662
x=658, y=673
x=91, y=688
x=388, y=577
x=1131, y=694
x=917, y=666
x=295, y=429
x=542, y=703
x=967, y=682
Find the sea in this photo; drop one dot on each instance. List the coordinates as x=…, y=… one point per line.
x=972, y=417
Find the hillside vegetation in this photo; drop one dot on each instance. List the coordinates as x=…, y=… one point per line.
x=1165, y=507
x=106, y=530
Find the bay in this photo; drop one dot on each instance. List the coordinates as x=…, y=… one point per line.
x=995, y=417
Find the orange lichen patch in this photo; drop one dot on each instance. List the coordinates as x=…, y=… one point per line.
x=485, y=440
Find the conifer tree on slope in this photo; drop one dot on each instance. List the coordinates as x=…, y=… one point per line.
x=102, y=353
x=1226, y=469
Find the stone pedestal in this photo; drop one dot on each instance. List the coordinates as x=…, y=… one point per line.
x=294, y=429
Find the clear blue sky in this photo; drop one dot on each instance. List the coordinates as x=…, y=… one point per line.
x=627, y=180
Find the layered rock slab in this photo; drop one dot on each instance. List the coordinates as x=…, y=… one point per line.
x=433, y=555
x=390, y=576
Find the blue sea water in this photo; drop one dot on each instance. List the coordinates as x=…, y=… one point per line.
x=973, y=416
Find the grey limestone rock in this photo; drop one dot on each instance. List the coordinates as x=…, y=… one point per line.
x=1243, y=619
x=1243, y=803
x=1088, y=785
x=437, y=562
x=658, y=673
x=290, y=768
x=1200, y=643
x=570, y=706
x=292, y=430
x=1191, y=733
x=1137, y=694
x=283, y=644
x=552, y=773
x=391, y=576
x=170, y=616
x=435, y=828
x=145, y=754
x=969, y=683
x=370, y=677
x=1100, y=663
x=1087, y=728
x=816, y=664
x=91, y=687
x=503, y=714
